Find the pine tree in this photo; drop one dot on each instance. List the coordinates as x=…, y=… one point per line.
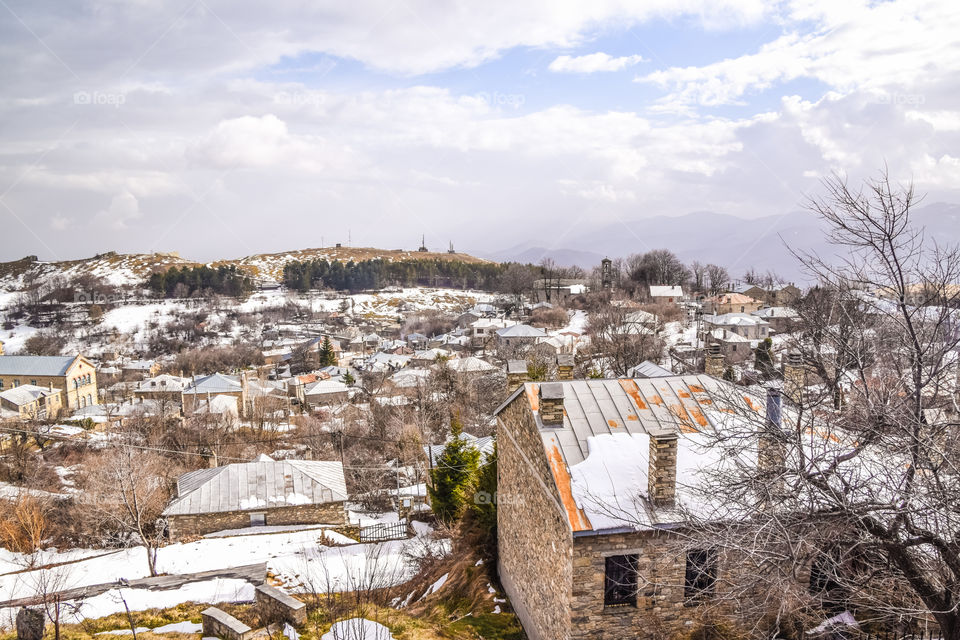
x=484, y=507
x=763, y=358
x=327, y=356
x=453, y=475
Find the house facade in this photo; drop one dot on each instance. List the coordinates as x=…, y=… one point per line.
x=29, y=402
x=573, y=568
x=730, y=303
x=264, y=492
x=74, y=376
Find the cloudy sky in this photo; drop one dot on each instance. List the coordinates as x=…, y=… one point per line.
x=222, y=128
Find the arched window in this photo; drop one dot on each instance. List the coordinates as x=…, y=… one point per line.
x=82, y=402
x=89, y=399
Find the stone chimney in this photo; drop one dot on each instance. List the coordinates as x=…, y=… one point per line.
x=516, y=374
x=551, y=404
x=662, y=471
x=794, y=376
x=713, y=363
x=565, y=366
x=771, y=450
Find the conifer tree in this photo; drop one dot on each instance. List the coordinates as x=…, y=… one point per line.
x=453, y=475
x=327, y=356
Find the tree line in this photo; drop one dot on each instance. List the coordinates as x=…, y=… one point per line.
x=201, y=280
x=379, y=273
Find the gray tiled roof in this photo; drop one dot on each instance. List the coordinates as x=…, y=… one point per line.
x=35, y=365
x=217, y=383
x=263, y=484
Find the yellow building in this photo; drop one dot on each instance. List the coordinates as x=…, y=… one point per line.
x=28, y=402
x=74, y=376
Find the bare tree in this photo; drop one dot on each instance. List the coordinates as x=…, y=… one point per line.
x=617, y=345
x=717, y=278
x=854, y=503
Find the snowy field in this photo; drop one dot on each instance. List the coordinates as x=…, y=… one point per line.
x=297, y=558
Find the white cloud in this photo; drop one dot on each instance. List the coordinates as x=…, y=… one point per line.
x=124, y=208
x=592, y=63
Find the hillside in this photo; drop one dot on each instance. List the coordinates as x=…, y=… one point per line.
x=133, y=269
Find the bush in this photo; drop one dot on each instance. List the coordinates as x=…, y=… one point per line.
x=549, y=318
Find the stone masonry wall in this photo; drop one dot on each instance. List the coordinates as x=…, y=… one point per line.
x=200, y=524
x=662, y=610
x=535, y=541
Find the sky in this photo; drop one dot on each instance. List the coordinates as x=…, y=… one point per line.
x=225, y=128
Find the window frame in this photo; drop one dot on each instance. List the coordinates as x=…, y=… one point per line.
x=701, y=573
x=626, y=581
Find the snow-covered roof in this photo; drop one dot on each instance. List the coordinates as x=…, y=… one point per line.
x=262, y=484
x=26, y=393
x=470, y=365
x=163, y=382
x=735, y=320
x=598, y=455
x=665, y=291
x=216, y=383
x=521, y=331
x=775, y=312
x=325, y=387
x=647, y=369
x=218, y=405
x=409, y=378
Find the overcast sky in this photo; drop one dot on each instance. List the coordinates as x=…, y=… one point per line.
x=221, y=128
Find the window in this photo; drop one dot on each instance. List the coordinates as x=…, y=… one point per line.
x=701, y=573
x=90, y=399
x=258, y=519
x=620, y=582
x=1, y=385
x=33, y=382
x=16, y=382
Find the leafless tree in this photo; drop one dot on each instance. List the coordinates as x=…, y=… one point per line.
x=617, y=345
x=717, y=278
x=856, y=502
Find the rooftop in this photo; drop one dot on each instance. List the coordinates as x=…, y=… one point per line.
x=35, y=365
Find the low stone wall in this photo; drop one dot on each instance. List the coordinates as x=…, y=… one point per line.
x=277, y=606
x=220, y=624
x=200, y=524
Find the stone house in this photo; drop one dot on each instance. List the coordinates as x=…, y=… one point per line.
x=663, y=294
x=74, y=376
x=264, y=492
x=730, y=303
x=29, y=402
x=588, y=506
x=747, y=325
x=780, y=319
x=519, y=336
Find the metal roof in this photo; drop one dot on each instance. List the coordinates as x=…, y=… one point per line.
x=217, y=383
x=647, y=369
x=521, y=331
x=635, y=406
x=263, y=484
x=35, y=365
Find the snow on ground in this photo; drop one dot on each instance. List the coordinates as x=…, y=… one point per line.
x=174, y=627
x=209, y=591
x=358, y=629
x=675, y=333
x=296, y=558
x=436, y=586
x=363, y=519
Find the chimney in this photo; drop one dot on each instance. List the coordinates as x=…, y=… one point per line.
x=794, y=376
x=516, y=374
x=771, y=452
x=551, y=404
x=662, y=472
x=713, y=363
x=565, y=366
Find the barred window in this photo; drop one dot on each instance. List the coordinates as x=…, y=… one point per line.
x=620, y=582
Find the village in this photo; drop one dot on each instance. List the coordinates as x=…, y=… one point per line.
x=555, y=453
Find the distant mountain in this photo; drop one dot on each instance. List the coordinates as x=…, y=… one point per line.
x=737, y=243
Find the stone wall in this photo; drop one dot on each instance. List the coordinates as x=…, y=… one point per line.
x=277, y=606
x=661, y=609
x=535, y=541
x=200, y=524
x=220, y=624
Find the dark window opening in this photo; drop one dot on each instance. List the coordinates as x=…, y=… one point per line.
x=258, y=519
x=701, y=573
x=620, y=582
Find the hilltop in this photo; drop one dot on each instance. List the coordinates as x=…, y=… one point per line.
x=132, y=269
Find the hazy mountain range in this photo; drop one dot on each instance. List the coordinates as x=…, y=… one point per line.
x=723, y=239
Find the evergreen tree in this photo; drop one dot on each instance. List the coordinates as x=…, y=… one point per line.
x=327, y=356
x=453, y=475
x=763, y=358
x=348, y=379
x=484, y=507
